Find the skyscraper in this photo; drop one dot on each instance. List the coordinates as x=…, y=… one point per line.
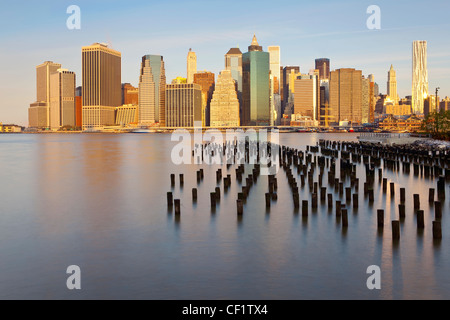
x=206, y=81
x=233, y=62
x=255, y=86
x=43, y=72
x=183, y=104
x=62, y=99
x=224, y=103
x=345, y=95
x=285, y=89
x=152, y=85
x=274, y=52
x=323, y=65
x=365, y=99
x=101, y=82
x=306, y=94
x=191, y=66
x=419, y=75
x=130, y=94
x=392, y=84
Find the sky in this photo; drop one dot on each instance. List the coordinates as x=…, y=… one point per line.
x=32, y=32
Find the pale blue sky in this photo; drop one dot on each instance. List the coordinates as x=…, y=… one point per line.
x=32, y=32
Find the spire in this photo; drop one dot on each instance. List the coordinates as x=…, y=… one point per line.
x=392, y=68
x=254, y=41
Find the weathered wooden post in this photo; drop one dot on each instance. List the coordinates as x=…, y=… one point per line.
x=437, y=231
x=416, y=201
x=169, y=199
x=431, y=195
x=305, y=208
x=314, y=201
x=181, y=179
x=355, y=201
x=338, y=208
x=392, y=189
x=401, y=210
x=437, y=210
x=194, y=194
x=240, y=207
x=172, y=179
x=402, y=195
x=380, y=218
x=268, y=197
x=420, y=220
x=213, y=200
x=177, y=207
x=395, y=229
x=344, y=218
x=330, y=200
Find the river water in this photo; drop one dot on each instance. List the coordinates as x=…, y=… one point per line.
x=98, y=201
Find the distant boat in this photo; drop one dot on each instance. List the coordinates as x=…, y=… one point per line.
x=143, y=131
x=351, y=130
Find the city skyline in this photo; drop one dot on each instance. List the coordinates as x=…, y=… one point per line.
x=348, y=44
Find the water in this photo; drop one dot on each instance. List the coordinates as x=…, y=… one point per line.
x=99, y=202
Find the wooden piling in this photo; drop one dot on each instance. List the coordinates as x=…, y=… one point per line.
x=416, y=201
x=380, y=218
x=177, y=207
x=395, y=229
x=169, y=199
x=344, y=218
x=268, y=197
x=172, y=179
x=355, y=201
x=402, y=195
x=420, y=220
x=401, y=210
x=437, y=210
x=240, y=207
x=194, y=194
x=305, y=208
x=437, y=230
x=213, y=200
x=431, y=195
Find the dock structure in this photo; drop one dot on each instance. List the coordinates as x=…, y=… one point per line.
x=323, y=178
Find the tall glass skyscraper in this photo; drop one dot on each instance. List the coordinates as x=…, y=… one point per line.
x=152, y=85
x=255, y=86
x=419, y=75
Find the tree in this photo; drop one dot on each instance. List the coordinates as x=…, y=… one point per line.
x=438, y=124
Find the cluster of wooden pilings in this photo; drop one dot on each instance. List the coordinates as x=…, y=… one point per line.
x=306, y=169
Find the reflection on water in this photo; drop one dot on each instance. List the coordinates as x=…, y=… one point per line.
x=99, y=201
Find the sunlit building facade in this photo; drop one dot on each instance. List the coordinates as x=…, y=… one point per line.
x=62, y=99
x=419, y=76
x=183, y=104
x=101, y=85
x=256, y=86
x=152, y=84
x=224, y=103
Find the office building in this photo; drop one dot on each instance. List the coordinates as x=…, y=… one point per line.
x=290, y=72
x=256, y=86
x=152, y=84
x=191, y=66
x=130, y=94
x=224, y=103
x=101, y=85
x=40, y=117
x=183, y=104
x=127, y=115
x=62, y=99
x=306, y=96
x=206, y=81
x=365, y=99
x=392, y=84
x=323, y=65
x=78, y=107
x=419, y=76
x=274, y=54
x=346, y=96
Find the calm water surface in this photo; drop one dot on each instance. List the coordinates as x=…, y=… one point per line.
x=99, y=202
